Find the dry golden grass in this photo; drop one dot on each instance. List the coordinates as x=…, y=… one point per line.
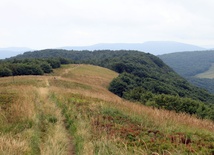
x=10, y=145
x=31, y=102
x=97, y=78
x=17, y=116
x=88, y=74
x=99, y=97
x=81, y=91
x=23, y=107
x=164, y=117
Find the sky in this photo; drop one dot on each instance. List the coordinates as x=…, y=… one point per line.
x=40, y=24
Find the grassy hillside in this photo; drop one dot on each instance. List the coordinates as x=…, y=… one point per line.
x=143, y=78
x=71, y=111
x=196, y=66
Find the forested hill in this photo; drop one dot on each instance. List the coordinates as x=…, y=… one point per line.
x=192, y=64
x=189, y=63
x=139, y=70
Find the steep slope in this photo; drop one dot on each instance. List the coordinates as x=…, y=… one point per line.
x=194, y=66
x=73, y=108
x=209, y=74
x=189, y=63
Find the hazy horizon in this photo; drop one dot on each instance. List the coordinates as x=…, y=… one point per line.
x=41, y=24
x=14, y=48
x=153, y=47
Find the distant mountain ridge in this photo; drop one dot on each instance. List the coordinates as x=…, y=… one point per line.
x=12, y=51
x=153, y=47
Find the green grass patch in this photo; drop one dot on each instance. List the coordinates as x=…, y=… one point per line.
x=207, y=74
x=7, y=97
x=71, y=122
x=15, y=127
x=69, y=85
x=22, y=82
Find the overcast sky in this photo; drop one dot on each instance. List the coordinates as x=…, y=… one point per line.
x=41, y=24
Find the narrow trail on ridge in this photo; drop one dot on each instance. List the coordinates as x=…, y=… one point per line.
x=66, y=71
x=48, y=106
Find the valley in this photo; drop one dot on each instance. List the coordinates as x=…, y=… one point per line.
x=209, y=74
x=195, y=66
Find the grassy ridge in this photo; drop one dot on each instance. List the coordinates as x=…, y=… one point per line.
x=146, y=70
x=39, y=118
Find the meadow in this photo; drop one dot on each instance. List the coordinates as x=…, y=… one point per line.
x=71, y=111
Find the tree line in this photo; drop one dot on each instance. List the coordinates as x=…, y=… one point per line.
x=30, y=66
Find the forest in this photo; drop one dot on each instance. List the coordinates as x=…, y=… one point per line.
x=143, y=77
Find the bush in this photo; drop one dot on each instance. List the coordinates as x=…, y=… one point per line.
x=118, y=87
x=25, y=69
x=54, y=63
x=5, y=72
x=46, y=67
